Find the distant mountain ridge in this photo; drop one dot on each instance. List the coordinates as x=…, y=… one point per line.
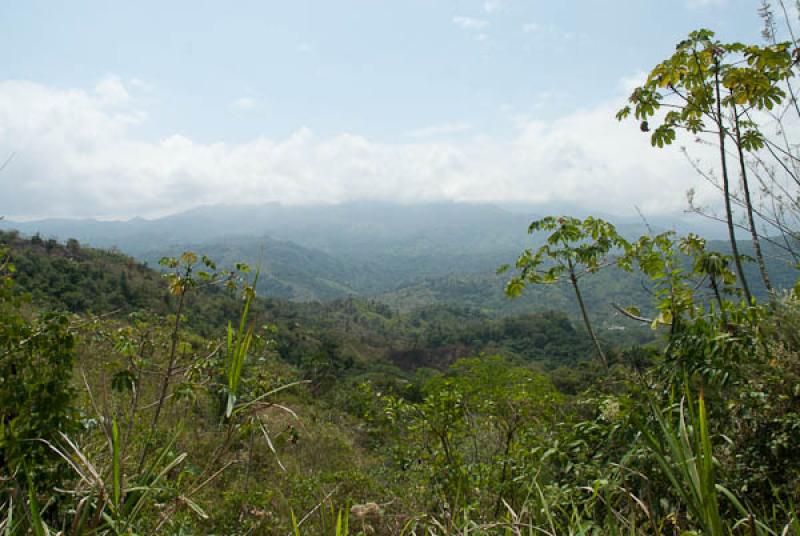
x=405, y=255
x=327, y=227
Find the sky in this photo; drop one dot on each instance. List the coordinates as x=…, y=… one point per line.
x=112, y=109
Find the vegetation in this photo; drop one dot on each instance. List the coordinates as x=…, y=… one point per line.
x=181, y=402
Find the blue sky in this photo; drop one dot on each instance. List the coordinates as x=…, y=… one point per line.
x=373, y=82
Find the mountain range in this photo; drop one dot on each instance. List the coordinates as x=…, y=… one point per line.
x=405, y=255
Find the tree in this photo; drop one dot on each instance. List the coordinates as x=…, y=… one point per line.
x=36, y=397
x=714, y=88
x=573, y=249
x=187, y=272
x=778, y=170
x=466, y=438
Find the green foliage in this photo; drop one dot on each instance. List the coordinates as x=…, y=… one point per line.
x=485, y=443
x=236, y=350
x=81, y=280
x=663, y=258
x=36, y=396
x=684, y=454
x=718, y=88
x=750, y=75
x=462, y=441
x=573, y=248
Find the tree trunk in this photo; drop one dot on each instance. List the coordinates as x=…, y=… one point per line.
x=173, y=355
x=717, y=294
x=762, y=266
x=585, y=315
x=726, y=187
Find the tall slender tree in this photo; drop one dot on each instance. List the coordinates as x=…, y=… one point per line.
x=713, y=88
x=573, y=249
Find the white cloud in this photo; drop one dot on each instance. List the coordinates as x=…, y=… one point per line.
x=469, y=23
x=112, y=91
x=456, y=127
x=75, y=156
x=243, y=104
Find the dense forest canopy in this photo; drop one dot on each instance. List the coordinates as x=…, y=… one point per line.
x=387, y=383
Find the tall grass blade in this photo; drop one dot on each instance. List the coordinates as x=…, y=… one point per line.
x=8, y=523
x=237, y=349
x=269, y=443
x=116, y=465
x=295, y=526
x=685, y=455
x=37, y=524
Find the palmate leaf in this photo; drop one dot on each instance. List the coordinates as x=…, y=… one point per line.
x=514, y=287
x=188, y=258
x=573, y=246
x=663, y=135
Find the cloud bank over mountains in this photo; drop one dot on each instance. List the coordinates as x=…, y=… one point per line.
x=77, y=153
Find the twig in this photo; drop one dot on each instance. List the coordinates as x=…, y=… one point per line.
x=309, y=514
x=630, y=315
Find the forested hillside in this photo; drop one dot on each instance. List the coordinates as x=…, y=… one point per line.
x=365, y=333
x=406, y=256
